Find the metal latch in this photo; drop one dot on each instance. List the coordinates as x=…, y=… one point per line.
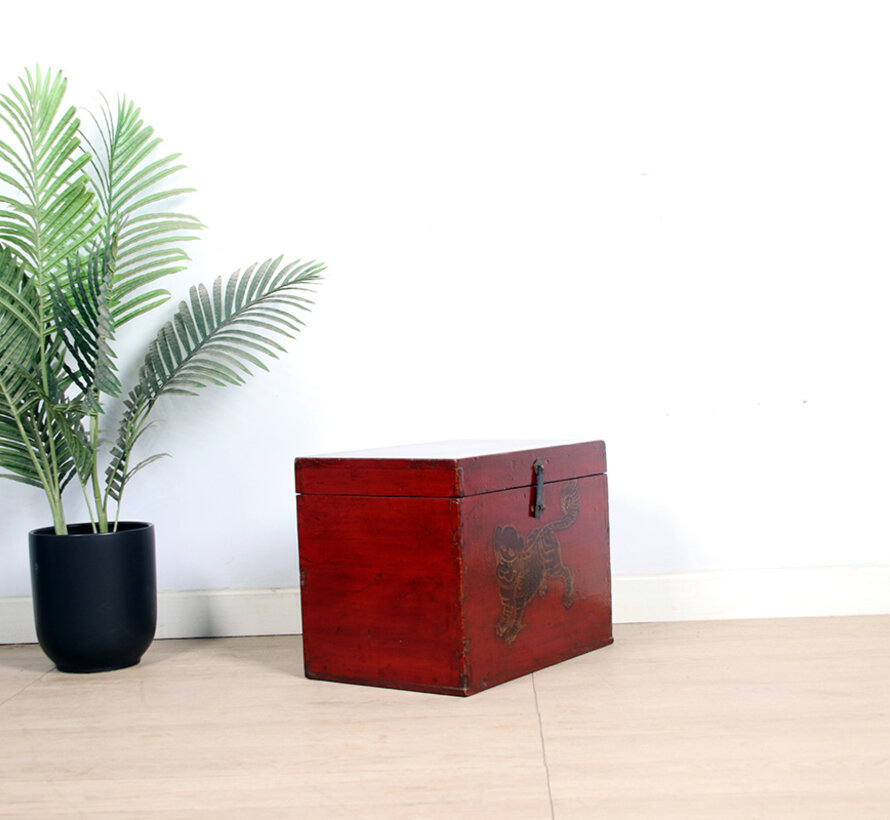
x=538, y=506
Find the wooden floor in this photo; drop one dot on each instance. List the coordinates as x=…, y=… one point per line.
x=746, y=719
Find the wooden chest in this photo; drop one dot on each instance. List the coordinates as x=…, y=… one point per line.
x=454, y=566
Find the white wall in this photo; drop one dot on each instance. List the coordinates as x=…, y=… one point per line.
x=660, y=224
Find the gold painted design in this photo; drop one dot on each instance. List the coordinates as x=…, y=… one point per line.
x=524, y=568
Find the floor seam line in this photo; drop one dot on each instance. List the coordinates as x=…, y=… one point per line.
x=25, y=688
x=543, y=749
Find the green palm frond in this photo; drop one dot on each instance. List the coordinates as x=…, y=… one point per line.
x=55, y=431
x=129, y=179
x=32, y=433
x=214, y=339
x=55, y=213
x=85, y=326
x=19, y=353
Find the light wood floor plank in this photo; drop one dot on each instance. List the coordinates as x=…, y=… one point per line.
x=232, y=726
x=748, y=719
x=731, y=719
x=24, y=665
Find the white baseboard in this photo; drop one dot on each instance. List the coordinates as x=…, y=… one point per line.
x=751, y=593
x=699, y=596
x=227, y=612
x=191, y=614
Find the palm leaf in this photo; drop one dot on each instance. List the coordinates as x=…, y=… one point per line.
x=19, y=349
x=24, y=450
x=130, y=181
x=55, y=432
x=84, y=321
x=212, y=340
x=57, y=214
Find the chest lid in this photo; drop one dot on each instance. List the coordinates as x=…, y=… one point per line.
x=448, y=469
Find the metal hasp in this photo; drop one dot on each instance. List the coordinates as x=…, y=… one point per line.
x=538, y=507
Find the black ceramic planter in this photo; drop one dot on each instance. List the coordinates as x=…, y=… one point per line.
x=95, y=595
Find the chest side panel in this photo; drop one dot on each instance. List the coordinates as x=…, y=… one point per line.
x=380, y=583
x=537, y=590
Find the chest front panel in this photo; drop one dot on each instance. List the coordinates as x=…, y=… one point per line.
x=536, y=590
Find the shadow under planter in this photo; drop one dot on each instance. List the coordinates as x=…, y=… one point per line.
x=95, y=595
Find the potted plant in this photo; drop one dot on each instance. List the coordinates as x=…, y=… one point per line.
x=85, y=235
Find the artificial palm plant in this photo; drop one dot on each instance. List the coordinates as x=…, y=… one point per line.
x=84, y=238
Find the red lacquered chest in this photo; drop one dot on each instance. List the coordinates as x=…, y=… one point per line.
x=454, y=566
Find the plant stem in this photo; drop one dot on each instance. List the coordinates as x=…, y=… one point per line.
x=55, y=505
x=101, y=512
